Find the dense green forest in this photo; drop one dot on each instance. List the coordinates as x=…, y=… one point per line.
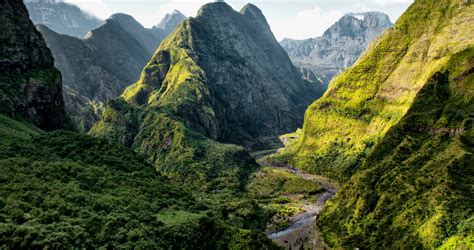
x=63, y=189
x=159, y=169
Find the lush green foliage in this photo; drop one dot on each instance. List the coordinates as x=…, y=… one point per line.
x=167, y=118
x=62, y=189
x=416, y=188
x=272, y=182
x=282, y=193
x=363, y=103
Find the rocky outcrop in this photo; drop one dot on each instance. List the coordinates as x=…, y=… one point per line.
x=339, y=47
x=260, y=94
x=100, y=66
x=63, y=18
x=30, y=86
x=253, y=93
x=219, y=78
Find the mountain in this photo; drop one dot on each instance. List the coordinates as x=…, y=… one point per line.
x=219, y=78
x=63, y=18
x=30, y=86
x=149, y=38
x=170, y=21
x=68, y=190
x=100, y=66
x=339, y=47
x=396, y=129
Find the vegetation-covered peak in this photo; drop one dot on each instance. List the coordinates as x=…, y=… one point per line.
x=188, y=71
x=396, y=128
x=361, y=104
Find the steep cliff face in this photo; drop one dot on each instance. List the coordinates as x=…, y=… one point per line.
x=63, y=18
x=30, y=86
x=260, y=95
x=340, y=46
x=364, y=102
x=219, y=77
x=100, y=66
x=415, y=190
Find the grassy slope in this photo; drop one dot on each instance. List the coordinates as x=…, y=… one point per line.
x=163, y=117
x=65, y=189
x=416, y=188
x=363, y=103
x=166, y=117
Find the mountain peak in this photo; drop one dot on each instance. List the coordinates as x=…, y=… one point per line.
x=126, y=21
x=371, y=24
x=234, y=60
x=170, y=21
x=373, y=18
x=252, y=11
x=214, y=9
x=250, y=8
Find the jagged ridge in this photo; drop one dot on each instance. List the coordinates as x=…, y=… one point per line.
x=340, y=45
x=99, y=67
x=201, y=86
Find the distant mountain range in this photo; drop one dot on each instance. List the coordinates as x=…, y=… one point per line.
x=339, y=46
x=61, y=17
x=99, y=67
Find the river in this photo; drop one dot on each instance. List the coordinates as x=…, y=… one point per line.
x=303, y=231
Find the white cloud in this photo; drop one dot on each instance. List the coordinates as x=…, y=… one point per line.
x=305, y=24
x=96, y=7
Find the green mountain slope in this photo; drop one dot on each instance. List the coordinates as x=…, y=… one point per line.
x=396, y=128
x=416, y=188
x=363, y=103
x=66, y=190
x=205, y=87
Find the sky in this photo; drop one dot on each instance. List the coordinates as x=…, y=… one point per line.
x=297, y=19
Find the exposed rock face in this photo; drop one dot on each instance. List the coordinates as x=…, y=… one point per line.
x=61, y=17
x=170, y=21
x=220, y=77
x=148, y=38
x=30, y=86
x=257, y=91
x=339, y=47
x=254, y=91
x=100, y=66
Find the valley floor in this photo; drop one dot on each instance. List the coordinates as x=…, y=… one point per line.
x=297, y=199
